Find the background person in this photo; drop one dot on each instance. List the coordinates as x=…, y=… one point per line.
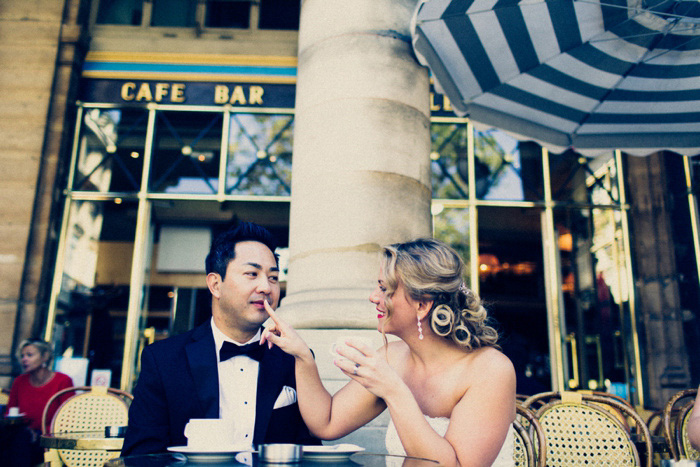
x=30, y=392
x=219, y=369
x=449, y=391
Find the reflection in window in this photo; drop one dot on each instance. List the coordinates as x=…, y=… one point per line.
x=279, y=14
x=580, y=179
x=174, y=13
x=260, y=155
x=451, y=225
x=111, y=150
x=120, y=12
x=186, y=152
x=228, y=14
x=695, y=173
x=92, y=302
x=449, y=160
x=498, y=167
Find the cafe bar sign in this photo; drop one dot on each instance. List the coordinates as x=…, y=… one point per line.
x=243, y=95
x=267, y=95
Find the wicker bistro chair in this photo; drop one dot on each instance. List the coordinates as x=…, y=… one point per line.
x=529, y=448
x=676, y=415
x=580, y=431
x=90, y=409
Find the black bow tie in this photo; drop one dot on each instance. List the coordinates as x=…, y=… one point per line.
x=229, y=350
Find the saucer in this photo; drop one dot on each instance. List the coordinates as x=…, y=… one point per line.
x=334, y=452
x=218, y=454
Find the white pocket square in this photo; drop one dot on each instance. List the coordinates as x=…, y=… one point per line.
x=288, y=396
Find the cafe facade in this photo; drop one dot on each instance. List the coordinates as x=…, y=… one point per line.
x=586, y=262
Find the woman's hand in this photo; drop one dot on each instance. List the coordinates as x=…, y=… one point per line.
x=368, y=368
x=283, y=336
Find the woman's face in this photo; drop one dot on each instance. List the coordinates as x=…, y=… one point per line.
x=31, y=358
x=403, y=313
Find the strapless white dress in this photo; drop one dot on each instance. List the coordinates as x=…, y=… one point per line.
x=440, y=424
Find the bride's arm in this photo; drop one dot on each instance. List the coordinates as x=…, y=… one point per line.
x=331, y=417
x=479, y=422
x=326, y=416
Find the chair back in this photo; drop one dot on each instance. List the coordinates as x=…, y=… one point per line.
x=676, y=415
x=528, y=452
x=580, y=431
x=90, y=408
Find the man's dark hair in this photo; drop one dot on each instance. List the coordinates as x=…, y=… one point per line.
x=223, y=249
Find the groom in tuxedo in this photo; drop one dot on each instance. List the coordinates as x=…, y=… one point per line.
x=219, y=369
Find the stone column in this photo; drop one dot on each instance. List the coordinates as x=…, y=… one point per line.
x=361, y=166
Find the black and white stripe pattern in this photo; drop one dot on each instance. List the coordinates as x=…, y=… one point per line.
x=572, y=73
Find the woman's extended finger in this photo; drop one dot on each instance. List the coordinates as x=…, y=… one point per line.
x=271, y=312
x=360, y=346
x=352, y=354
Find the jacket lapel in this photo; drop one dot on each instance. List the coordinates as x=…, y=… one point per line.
x=270, y=383
x=201, y=356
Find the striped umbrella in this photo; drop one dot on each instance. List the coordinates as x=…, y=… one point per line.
x=587, y=74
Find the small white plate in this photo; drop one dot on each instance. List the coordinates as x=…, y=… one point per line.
x=19, y=415
x=223, y=454
x=332, y=452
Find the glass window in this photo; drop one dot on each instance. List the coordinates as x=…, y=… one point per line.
x=594, y=298
x=580, y=179
x=684, y=251
x=111, y=150
x=451, y=225
x=92, y=303
x=507, y=169
x=120, y=12
x=511, y=279
x=174, y=13
x=227, y=14
x=279, y=14
x=449, y=160
x=186, y=152
x=695, y=173
x=260, y=155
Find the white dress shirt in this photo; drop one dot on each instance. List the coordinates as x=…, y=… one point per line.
x=238, y=383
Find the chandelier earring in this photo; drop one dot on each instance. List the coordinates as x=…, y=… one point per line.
x=420, y=328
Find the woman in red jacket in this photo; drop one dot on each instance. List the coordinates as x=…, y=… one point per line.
x=30, y=392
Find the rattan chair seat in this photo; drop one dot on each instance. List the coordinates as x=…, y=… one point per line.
x=580, y=431
x=88, y=411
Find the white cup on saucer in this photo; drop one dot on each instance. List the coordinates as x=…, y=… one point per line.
x=13, y=412
x=209, y=434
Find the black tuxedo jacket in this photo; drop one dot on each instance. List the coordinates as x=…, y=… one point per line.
x=179, y=380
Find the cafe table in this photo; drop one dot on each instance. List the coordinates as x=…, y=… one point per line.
x=81, y=440
x=251, y=460
x=8, y=421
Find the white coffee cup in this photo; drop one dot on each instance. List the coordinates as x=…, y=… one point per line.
x=13, y=412
x=209, y=434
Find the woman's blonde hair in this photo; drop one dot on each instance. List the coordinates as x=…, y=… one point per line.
x=432, y=270
x=42, y=346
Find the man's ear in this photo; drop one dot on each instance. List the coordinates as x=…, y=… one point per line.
x=214, y=284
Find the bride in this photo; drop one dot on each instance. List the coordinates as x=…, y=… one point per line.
x=449, y=390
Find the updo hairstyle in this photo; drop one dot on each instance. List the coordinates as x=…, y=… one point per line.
x=432, y=270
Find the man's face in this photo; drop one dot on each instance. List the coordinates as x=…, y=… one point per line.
x=251, y=277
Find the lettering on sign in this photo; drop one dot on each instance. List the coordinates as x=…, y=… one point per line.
x=439, y=102
x=224, y=95
x=153, y=92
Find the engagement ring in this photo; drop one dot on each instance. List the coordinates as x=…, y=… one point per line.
x=354, y=372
